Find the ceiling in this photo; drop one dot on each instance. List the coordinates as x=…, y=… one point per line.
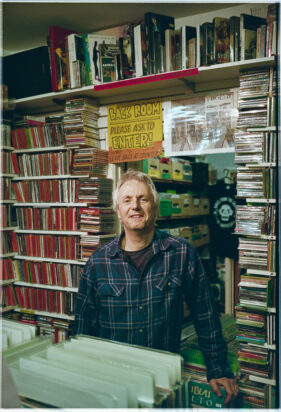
x=25, y=24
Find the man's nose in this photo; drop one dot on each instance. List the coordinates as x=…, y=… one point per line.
x=135, y=203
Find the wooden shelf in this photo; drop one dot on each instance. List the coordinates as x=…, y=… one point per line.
x=177, y=83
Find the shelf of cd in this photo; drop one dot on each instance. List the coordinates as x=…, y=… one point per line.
x=44, y=286
x=42, y=313
x=41, y=259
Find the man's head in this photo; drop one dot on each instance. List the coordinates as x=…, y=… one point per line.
x=136, y=201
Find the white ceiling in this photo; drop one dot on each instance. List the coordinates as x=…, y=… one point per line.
x=25, y=24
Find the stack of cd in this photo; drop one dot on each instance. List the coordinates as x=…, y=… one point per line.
x=90, y=161
x=95, y=190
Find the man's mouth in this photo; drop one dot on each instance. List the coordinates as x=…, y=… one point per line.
x=136, y=216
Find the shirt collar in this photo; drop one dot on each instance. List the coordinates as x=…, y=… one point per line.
x=161, y=241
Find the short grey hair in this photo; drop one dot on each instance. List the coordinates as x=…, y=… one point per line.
x=140, y=177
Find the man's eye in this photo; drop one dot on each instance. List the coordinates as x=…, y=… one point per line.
x=126, y=201
x=143, y=199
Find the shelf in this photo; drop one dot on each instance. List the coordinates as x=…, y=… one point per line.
x=8, y=148
x=158, y=85
x=7, y=282
x=42, y=286
x=41, y=259
x=58, y=204
x=265, y=237
x=45, y=177
x=8, y=201
x=262, y=129
x=8, y=175
x=8, y=309
x=8, y=228
x=50, y=314
x=266, y=381
x=50, y=232
x=40, y=149
x=258, y=308
x=266, y=346
x=6, y=255
x=268, y=164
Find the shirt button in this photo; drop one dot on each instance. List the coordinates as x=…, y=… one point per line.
x=140, y=330
x=140, y=307
x=169, y=283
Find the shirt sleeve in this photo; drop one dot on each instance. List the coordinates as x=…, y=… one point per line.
x=86, y=308
x=201, y=303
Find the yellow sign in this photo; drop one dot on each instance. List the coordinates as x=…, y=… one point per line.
x=135, y=131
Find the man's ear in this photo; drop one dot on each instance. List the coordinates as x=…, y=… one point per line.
x=118, y=213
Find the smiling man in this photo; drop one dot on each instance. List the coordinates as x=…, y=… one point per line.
x=132, y=289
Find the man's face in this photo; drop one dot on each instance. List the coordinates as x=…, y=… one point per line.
x=136, y=208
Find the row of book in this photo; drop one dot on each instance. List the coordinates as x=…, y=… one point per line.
x=48, y=246
x=8, y=242
x=39, y=135
x=43, y=164
x=7, y=297
x=255, y=327
x=256, y=220
x=47, y=218
x=7, y=272
x=255, y=147
x=6, y=163
x=256, y=182
x=47, y=273
x=6, y=188
x=45, y=300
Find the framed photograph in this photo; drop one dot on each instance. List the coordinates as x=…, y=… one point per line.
x=201, y=125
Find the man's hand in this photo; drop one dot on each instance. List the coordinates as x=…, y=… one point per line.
x=230, y=385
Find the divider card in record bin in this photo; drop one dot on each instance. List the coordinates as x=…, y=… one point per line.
x=135, y=130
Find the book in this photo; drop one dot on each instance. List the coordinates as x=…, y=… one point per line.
x=206, y=44
x=156, y=24
x=92, y=44
x=187, y=33
x=27, y=73
x=109, y=62
x=201, y=395
x=170, y=50
x=178, y=50
x=140, y=50
x=76, y=61
x=248, y=35
x=234, y=40
x=221, y=40
x=56, y=43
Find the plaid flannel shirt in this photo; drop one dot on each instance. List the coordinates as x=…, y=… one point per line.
x=115, y=302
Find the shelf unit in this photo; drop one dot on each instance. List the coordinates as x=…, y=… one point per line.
x=164, y=85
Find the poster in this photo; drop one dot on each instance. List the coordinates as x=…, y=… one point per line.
x=135, y=130
x=201, y=125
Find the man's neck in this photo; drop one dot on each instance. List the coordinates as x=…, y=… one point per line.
x=133, y=241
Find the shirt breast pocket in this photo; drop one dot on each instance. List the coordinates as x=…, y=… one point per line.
x=112, y=304
x=169, y=286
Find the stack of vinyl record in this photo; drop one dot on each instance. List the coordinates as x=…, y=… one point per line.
x=255, y=220
x=257, y=254
x=96, y=219
x=256, y=182
x=81, y=122
x=255, y=147
x=96, y=190
x=90, y=161
x=89, y=243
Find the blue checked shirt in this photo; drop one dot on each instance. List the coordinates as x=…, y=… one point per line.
x=116, y=302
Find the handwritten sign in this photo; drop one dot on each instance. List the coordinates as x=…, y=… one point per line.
x=135, y=131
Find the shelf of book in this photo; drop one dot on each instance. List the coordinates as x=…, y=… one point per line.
x=9, y=228
x=8, y=309
x=164, y=84
x=42, y=313
x=41, y=259
x=9, y=254
x=44, y=286
x=8, y=148
x=6, y=282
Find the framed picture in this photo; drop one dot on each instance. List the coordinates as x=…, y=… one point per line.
x=200, y=125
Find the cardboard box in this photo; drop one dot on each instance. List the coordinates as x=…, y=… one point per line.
x=152, y=167
x=177, y=169
x=187, y=171
x=165, y=209
x=165, y=168
x=186, y=204
x=176, y=205
x=196, y=206
x=205, y=206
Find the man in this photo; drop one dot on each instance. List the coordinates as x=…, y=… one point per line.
x=132, y=289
